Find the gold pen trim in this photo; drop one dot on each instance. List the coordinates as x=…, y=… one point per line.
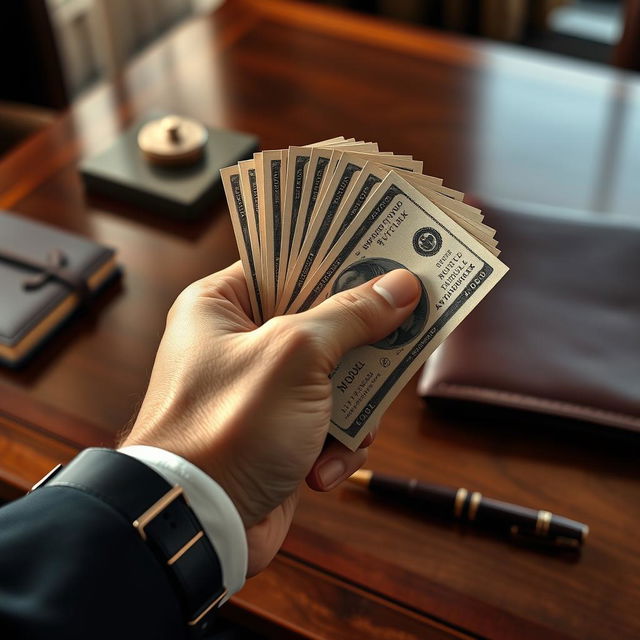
x=461, y=496
x=142, y=521
x=474, y=503
x=210, y=606
x=543, y=522
x=361, y=477
x=178, y=554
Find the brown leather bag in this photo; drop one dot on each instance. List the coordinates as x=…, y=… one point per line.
x=561, y=333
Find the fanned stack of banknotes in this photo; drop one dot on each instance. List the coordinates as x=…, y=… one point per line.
x=314, y=220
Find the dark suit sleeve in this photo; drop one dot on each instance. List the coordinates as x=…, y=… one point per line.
x=72, y=567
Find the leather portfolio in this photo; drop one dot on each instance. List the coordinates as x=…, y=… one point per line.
x=45, y=275
x=561, y=334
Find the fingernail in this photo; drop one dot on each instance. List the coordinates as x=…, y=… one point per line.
x=398, y=288
x=331, y=471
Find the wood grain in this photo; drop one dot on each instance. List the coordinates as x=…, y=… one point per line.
x=26, y=455
x=488, y=118
x=317, y=598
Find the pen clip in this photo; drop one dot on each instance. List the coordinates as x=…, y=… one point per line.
x=531, y=537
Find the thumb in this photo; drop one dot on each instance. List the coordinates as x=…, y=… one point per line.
x=364, y=314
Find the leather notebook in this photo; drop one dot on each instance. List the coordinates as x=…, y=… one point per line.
x=561, y=334
x=45, y=275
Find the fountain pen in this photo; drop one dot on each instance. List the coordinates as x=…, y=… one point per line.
x=459, y=504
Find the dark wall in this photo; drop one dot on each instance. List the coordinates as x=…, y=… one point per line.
x=30, y=68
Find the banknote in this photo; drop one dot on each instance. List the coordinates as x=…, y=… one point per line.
x=316, y=173
x=399, y=228
x=249, y=185
x=330, y=141
x=335, y=188
x=407, y=162
x=456, y=211
x=249, y=188
x=269, y=176
x=239, y=217
x=298, y=159
x=261, y=251
x=319, y=224
x=312, y=221
x=366, y=183
x=338, y=186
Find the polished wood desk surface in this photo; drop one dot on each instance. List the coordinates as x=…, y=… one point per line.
x=491, y=120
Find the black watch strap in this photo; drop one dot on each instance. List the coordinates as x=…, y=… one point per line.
x=162, y=517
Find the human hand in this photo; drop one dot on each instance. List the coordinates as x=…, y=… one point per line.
x=251, y=405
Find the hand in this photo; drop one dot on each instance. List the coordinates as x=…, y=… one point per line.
x=251, y=405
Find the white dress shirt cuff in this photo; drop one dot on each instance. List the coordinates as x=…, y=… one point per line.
x=216, y=512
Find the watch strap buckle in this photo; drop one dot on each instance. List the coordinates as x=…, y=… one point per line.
x=212, y=604
x=47, y=477
x=155, y=510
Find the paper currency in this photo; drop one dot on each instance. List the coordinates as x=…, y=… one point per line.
x=329, y=216
x=239, y=220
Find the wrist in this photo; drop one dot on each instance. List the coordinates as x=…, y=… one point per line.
x=211, y=503
x=162, y=435
x=159, y=513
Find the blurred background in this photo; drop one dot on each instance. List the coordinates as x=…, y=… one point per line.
x=60, y=49
x=588, y=29
x=76, y=42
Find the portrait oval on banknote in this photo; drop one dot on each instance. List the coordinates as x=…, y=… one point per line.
x=368, y=268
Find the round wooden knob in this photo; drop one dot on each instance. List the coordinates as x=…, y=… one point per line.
x=173, y=141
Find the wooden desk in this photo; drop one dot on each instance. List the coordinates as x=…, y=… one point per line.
x=491, y=120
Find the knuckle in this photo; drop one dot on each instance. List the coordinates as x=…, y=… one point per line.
x=184, y=299
x=215, y=286
x=289, y=335
x=200, y=294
